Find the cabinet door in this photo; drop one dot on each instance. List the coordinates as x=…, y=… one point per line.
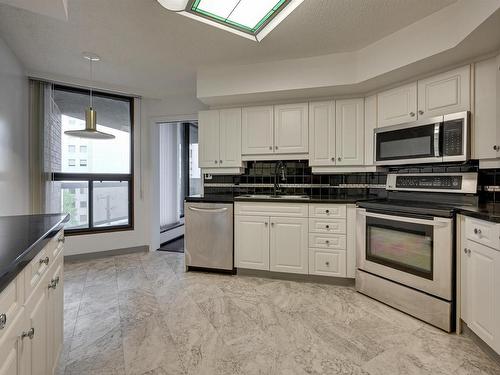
x=10, y=348
x=349, y=128
x=208, y=133
x=370, y=126
x=498, y=107
x=397, y=106
x=289, y=251
x=291, y=128
x=252, y=242
x=322, y=133
x=230, y=137
x=483, y=299
x=485, y=111
x=445, y=93
x=257, y=130
x=55, y=317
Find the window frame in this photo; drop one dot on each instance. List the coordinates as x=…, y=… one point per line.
x=90, y=178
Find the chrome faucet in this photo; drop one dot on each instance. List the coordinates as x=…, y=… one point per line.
x=279, y=176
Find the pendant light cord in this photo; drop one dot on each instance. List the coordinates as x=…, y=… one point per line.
x=91, y=76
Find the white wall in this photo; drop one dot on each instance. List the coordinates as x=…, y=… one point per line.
x=14, y=159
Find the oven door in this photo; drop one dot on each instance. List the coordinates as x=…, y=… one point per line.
x=413, y=251
x=418, y=142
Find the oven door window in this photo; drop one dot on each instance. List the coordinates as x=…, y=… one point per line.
x=411, y=143
x=407, y=247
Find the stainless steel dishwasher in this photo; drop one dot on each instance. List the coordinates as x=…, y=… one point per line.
x=209, y=235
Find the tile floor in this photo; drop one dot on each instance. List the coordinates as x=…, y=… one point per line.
x=142, y=314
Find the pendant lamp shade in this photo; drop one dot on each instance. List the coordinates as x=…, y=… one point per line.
x=174, y=5
x=90, y=130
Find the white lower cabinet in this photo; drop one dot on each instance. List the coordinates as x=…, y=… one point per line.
x=288, y=251
x=294, y=238
x=481, y=289
x=10, y=349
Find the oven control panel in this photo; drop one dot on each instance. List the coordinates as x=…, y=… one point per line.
x=443, y=182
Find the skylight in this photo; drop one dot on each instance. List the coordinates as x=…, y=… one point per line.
x=253, y=19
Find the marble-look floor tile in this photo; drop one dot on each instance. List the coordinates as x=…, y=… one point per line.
x=137, y=304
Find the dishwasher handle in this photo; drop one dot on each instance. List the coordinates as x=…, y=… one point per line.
x=211, y=210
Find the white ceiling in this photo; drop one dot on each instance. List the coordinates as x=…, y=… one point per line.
x=150, y=51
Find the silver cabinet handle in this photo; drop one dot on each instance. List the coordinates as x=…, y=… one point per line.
x=276, y=147
x=270, y=147
x=207, y=209
x=327, y=264
x=339, y=158
x=3, y=321
x=215, y=161
x=42, y=261
x=496, y=147
x=420, y=112
x=30, y=334
x=52, y=284
x=57, y=280
x=412, y=114
x=61, y=239
x=333, y=159
x=477, y=231
x=467, y=251
x=220, y=161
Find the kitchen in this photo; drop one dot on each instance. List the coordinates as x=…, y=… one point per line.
x=349, y=220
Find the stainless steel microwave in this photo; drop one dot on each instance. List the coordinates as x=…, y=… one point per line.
x=434, y=140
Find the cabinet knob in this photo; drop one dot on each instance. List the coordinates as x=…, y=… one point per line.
x=333, y=159
x=477, y=231
x=327, y=227
x=327, y=212
x=215, y=161
x=30, y=334
x=412, y=114
x=465, y=250
x=220, y=161
x=339, y=158
x=266, y=223
x=52, y=284
x=420, y=112
x=276, y=147
x=327, y=242
x=61, y=239
x=327, y=264
x=496, y=147
x=45, y=260
x=3, y=321
x=270, y=147
x=272, y=224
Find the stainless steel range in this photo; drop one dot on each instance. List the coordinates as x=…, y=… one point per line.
x=406, y=243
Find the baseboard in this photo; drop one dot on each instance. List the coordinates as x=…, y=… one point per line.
x=296, y=277
x=466, y=331
x=104, y=254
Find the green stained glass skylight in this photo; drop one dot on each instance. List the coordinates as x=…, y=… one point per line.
x=246, y=15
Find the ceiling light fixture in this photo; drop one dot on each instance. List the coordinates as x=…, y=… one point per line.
x=252, y=19
x=90, y=130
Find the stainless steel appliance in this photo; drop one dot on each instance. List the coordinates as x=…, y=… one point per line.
x=434, y=140
x=405, y=244
x=209, y=235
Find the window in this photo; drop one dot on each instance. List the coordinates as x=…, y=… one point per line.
x=104, y=177
x=71, y=148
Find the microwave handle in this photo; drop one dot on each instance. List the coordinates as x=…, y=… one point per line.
x=435, y=223
x=438, y=128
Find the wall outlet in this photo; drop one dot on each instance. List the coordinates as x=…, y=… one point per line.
x=208, y=176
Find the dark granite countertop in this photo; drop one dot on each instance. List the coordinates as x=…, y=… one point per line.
x=21, y=239
x=339, y=199
x=484, y=211
x=209, y=198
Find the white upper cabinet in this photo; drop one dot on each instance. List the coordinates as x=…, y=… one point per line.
x=288, y=250
x=349, y=125
x=230, y=137
x=487, y=109
x=370, y=126
x=398, y=105
x=291, y=128
x=257, y=130
x=444, y=93
x=208, y=132
x=220, y=138
x=322, y=133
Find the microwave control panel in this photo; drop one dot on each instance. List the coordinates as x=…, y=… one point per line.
x=453, y=138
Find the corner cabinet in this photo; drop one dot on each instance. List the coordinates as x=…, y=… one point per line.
x=220, y=139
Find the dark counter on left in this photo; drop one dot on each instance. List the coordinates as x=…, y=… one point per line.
x=21, y=239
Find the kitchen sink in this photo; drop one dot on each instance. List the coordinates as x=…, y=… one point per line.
x=273, y=197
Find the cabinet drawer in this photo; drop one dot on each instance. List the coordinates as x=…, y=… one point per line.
x=333, y=211
x=11, y=301
x=35, y=271
x=334, y=226
x=271, y=209
x=327, y=241
x=327, y=262
x=483, y=232
x=56, y=245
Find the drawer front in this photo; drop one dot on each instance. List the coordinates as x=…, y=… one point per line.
x=483, y=232
x=35, y=271
x=329, y=211
x=327, y=241
x=11, y=301
x=334, y=226
x=57, y=244
x=271, y=209
x=327, y=262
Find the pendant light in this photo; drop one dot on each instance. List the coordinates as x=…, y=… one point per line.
x=174, y=5
x=90, y=130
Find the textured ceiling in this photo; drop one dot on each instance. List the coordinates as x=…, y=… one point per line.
x=156, y=53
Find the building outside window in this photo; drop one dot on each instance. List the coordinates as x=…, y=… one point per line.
x=83, y=149
x=83, y=162
x=71, y=148
x=71, y=162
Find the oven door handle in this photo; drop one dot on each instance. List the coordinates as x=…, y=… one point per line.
x=435, y=223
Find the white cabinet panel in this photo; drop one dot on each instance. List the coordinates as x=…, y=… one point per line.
x=349, y=125
x=370, y=126
x=444, y=93
x=208, y=133
x=328, y=241
x=397, y=106
x=252, y=242
x=10, y=348
x=230, y=137
x=483, y=299
x=332, y=211
x=327, y=262
x=257, y=130
x=288, y=251
x=55, y=315
x=322, y=133
x=484, y=232
x=336, y=226
x=291, y=128
x=486, y=131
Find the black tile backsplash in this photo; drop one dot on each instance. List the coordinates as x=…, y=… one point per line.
x=338, y=185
